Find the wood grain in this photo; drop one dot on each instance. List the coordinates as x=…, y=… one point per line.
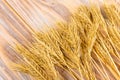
x=18, y=18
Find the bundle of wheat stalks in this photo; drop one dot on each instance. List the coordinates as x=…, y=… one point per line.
x=86, y=47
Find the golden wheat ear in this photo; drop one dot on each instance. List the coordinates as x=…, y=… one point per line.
x=84, y=48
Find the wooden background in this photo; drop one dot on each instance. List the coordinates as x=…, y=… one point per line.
x=19, y=17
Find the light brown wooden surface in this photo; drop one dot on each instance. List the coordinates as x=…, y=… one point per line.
x=16, y=18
